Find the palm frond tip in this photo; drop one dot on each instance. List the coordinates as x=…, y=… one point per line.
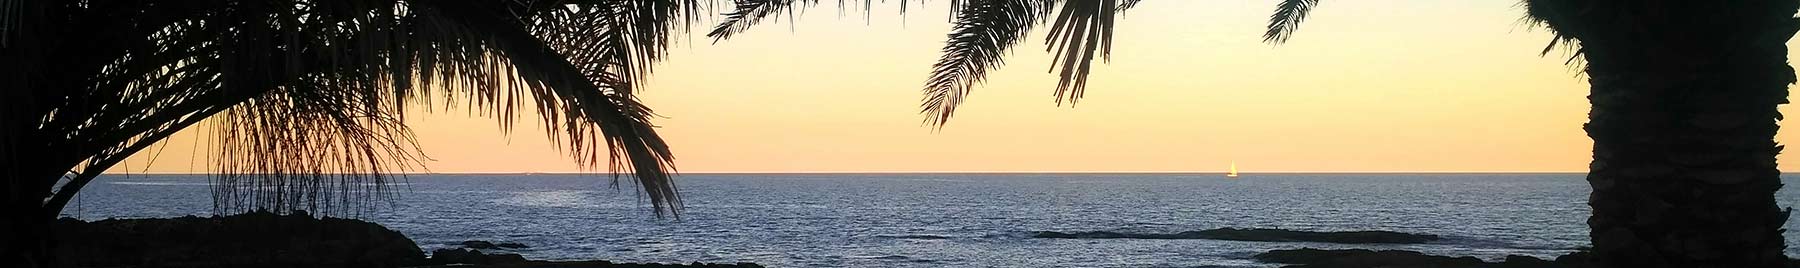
x=1286, y=19
x=984, y=30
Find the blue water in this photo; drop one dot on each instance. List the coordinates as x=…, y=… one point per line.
x=938, y=220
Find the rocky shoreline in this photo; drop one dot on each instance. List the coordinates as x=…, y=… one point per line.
x=1363, y=258
x=1259, y=234
x=259, y=239
x=265, y=239
x=472, y=256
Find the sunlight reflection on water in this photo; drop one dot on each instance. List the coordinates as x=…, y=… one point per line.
x=554, y=199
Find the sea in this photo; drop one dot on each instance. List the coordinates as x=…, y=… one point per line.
x=943, y=220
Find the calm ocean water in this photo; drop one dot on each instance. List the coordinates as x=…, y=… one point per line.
x=938, y=220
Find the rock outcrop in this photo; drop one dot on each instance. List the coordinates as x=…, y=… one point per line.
x=478, y=244
x=1259, y=234
x=264, y=239
x=471, y=256
x=593, y=264
x=1363, y=258
x=1354, y=258
x=258, y=239
x=482, y=244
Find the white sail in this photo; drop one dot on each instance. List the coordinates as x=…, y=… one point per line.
x=1233, y=173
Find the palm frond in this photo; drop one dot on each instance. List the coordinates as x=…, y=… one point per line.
x=1083, y=29
x=984, y=30
x=599, y=120
x=320, y=129
x=750, y=12
x=306, y=98
x=1542, y=14
x=1286, y=19
x=1128, y=4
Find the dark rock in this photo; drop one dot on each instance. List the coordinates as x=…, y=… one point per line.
x=264, y=239
x=1526, y=262
x=1265, y=235
x=257, y=239
x=1350, y=237
x=470, y=256
x=597, y=264
x=478, y=244
x=1577, y=259
x=1363, y=258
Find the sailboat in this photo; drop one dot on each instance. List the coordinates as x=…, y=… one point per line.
x=1233, y=174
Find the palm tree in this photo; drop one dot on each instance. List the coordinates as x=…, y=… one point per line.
x=1683, y=120
x=305, y=98
x=1684, y=97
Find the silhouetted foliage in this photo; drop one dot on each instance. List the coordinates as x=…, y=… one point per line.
x=306, y=99
x=983, y=31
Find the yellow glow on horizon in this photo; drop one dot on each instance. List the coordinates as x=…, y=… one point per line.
x=1365, y=86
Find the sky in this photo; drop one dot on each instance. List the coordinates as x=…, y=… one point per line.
x=1364, y=86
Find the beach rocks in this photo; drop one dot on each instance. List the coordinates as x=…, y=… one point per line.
x=1347, y=237
x=1357, y=258
x=258, y=239
x=479, y=244
x=470, y=256
x=1259, y=234
x=594, y=264
x=1363, y=258
x=264, y=239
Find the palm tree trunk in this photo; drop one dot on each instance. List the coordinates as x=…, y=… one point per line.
x=27, y=237
x=1683, y=122
x=26, y=231
x=23, y=226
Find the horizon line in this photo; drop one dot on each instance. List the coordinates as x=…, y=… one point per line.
x=922, y=172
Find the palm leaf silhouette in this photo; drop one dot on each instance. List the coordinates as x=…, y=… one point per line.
x=1079, y=31
x=306, y=98
x=748, y=13
x=984, y=30
x=1286, y=19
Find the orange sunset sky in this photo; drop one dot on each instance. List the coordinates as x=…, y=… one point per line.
x=1365, y=86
